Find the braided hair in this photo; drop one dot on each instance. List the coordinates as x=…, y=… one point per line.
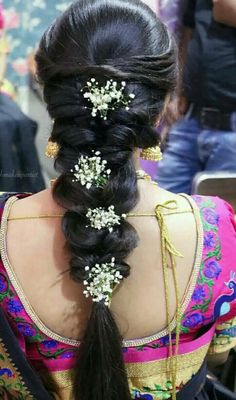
x=121, y=40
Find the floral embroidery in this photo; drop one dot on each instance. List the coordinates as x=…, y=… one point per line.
x=157, y=344
x=193, y=320
x=49, y=344
x=27, y=329
x=6, y=371
x=14, y=306
x=209, y=240
x=3, y=284
x=153, y=393
x=211, y=217
x=56, y=352
x=199, y=294
x=68, y=354
x=153, y=345
x=210, y=269
x=138, y=395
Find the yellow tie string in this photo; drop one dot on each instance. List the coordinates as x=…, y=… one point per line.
x=168, y=248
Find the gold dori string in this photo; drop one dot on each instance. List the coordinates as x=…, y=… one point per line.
x=178, y=320
x=130, y=215
x=168, y=248
x=35, y=217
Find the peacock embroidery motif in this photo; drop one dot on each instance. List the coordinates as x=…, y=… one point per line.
x=222, y=304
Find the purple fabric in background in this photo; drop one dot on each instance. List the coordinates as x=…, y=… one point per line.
x=171, y=12
x=150, y=167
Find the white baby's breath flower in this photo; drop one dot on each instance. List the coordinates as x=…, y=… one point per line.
x=101, y=281
x=101, y=218
x=91, y=171
x=107, y=97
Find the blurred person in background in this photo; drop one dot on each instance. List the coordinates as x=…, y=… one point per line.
x=5, y=86
x=171, y=13
x=19, y=164
x=204, y=139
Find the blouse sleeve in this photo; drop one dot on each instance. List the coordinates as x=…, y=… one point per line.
x=224, y=338
x=225, y=334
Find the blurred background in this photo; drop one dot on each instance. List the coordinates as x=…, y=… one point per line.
x=23, y=23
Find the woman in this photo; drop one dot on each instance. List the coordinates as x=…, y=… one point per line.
x=101, y=298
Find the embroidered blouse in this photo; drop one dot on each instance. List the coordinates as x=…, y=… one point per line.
x=208, y=314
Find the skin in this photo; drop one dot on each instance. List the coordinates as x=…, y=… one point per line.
x=224, y=11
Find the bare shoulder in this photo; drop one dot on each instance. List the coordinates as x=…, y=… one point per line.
x=36, y=204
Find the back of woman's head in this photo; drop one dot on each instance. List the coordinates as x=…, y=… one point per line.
x=124, y=41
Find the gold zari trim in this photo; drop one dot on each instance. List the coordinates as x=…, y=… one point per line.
x=154, y=373
x=14, y=384
x=158, y=368
x=63, y=379
x=140, y=375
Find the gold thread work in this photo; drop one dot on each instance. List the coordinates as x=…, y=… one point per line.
x=152, y=154
x=52, y=149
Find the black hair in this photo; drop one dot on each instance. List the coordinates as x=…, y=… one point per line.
x=103, y=39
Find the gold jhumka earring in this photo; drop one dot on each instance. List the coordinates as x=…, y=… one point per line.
x=52, y=149
x=152, y=154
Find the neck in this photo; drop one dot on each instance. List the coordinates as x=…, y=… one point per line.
x=136, y=159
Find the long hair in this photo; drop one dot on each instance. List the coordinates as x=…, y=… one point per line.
x=103, y=39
